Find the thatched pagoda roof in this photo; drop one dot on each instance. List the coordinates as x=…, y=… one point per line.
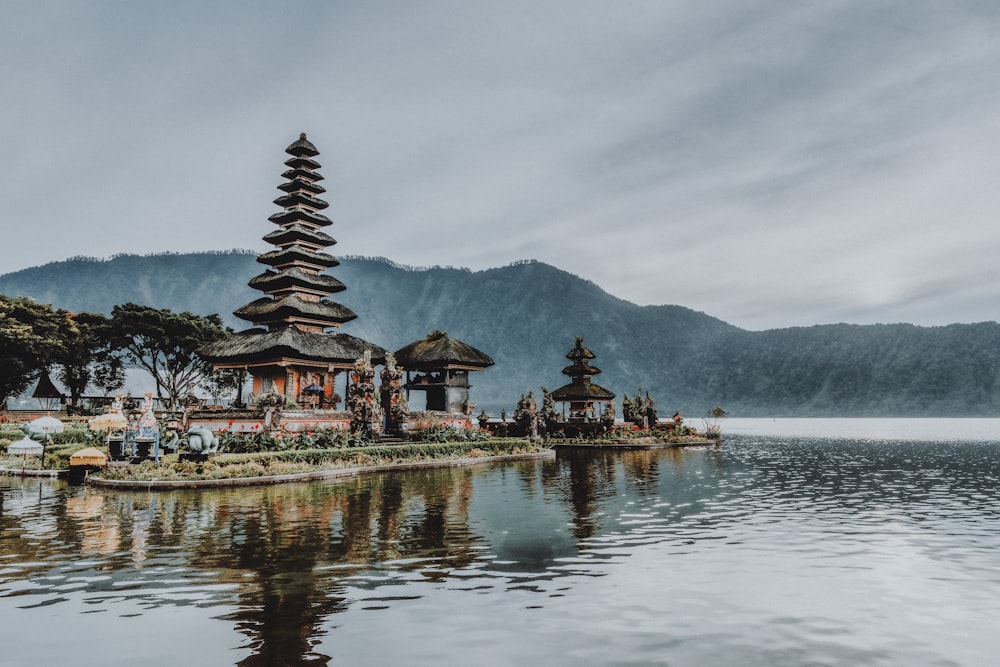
x=303, y=163
x=438, y=351
x=582, y=392
x=271, y=281
x=267, y=310
x=300, y=199
x=299, y=232
x=579, y=351
x=581, y=389
x=580, y=369
x=300, y=215
x=302, y=147
x=302, y=174
x=302, y=184
x=284, y=256
x=256, y=345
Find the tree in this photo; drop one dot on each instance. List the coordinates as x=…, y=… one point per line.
x=32, y=337
x=219, y=382
x=87, y=357
x=165, y=345
x=548, y=415
x=712, y=421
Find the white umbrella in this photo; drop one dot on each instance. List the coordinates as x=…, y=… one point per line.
x=24, y=447
x=46, y=425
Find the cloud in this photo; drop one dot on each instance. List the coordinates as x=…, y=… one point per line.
x=770, y=164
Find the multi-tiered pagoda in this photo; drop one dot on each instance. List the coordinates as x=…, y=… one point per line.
x=290, y=351
x=583, y=396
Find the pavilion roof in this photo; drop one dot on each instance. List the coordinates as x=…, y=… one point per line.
x=582, y=392
x=254, y=345
x=438, y=350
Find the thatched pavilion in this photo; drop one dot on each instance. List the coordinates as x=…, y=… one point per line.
x=290, y=351
x=587, y=401
x=48, y=397
x=439, y=366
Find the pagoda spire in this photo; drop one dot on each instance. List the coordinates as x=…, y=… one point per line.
x=295, y=286
x=582, y=395
x=290, y=351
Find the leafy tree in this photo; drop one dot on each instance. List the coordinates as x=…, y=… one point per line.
x=217, y=383
x=548, y=414
x=87, y=357
x=32, y=337
x=109, y=374
x=165, y=344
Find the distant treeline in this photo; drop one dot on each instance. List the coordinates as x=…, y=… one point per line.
x=526, y=315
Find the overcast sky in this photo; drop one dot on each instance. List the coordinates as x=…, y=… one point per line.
x=769, y=163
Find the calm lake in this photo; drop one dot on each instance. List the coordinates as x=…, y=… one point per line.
x=797, y=542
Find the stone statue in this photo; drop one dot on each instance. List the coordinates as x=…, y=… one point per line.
x=366, y=412
x=393, y=398
x=202, y=440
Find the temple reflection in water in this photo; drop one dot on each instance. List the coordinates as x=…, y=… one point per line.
x=285, y=557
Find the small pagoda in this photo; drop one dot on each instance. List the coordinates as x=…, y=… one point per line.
x=439, y=366
x=587, y=401
x=290, y=350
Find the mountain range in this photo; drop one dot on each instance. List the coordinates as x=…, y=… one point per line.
x=526, y=316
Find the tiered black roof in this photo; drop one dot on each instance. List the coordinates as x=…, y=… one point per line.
x=274, y=281
x=300, y=215
x=300, y=183
x=296, y=232
x=298, y=255
x=292, y=316
x=296, y=288
x=581, y=388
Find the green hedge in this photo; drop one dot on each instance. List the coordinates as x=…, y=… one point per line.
x=383, y=453
x=256, y=464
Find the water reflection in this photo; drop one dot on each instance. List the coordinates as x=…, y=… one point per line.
x=282, y=564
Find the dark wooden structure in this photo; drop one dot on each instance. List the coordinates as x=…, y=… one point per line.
x=439, y=366
x=290, y=351
x=48, y=397
x=586, y=401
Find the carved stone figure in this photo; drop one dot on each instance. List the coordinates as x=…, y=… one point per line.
x=394, y=403
x=366, y=412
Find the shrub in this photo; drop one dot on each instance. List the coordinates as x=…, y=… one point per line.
x=292, y=460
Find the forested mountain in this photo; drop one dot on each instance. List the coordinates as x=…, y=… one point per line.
x=526, y=316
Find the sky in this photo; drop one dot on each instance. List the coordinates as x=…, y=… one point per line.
x=772, y=164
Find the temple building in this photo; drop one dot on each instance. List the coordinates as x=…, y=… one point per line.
x=290, y=350
x=587, y=401
x=439, y=366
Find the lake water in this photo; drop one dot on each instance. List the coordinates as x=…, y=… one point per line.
x=797, y=542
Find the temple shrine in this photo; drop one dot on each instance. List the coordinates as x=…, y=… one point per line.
x=587, y=401
x=439, y=366
x=290, y=351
